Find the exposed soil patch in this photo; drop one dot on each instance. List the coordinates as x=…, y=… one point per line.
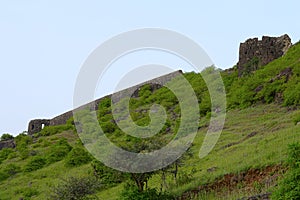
x=248, y=180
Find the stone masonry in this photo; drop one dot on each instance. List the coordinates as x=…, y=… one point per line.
x=36, y=125
x=254, y=53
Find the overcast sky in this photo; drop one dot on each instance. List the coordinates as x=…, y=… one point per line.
x=43, y=44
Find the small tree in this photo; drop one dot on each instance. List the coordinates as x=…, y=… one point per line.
x=132, y=193
x=75, y=188
x=141, y=180
x=107, y=176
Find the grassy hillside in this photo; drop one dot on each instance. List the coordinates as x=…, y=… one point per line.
x=237, y=150
x=276, y=81
x=263, y=112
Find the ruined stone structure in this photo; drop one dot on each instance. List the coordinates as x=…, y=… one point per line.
x=37, y=125
x=254, y=53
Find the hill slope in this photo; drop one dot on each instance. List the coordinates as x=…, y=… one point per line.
x=261, y=122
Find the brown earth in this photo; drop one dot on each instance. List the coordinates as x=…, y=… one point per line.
x=247, y=181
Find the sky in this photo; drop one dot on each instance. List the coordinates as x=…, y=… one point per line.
x=43, y=43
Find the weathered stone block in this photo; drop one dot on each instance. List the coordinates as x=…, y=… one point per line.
x=254, y=53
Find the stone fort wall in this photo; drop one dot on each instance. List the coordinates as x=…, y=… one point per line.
x=254, y=53
x=37, y=125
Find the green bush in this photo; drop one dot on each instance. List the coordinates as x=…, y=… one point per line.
x=12, y=155
x=23, y=152
x=3, y=176
x=251, y=65
x=11, y=169
x=291, y=95
x=23, y=139
x=108, y=176
x=58, y=151
x=108, y=127
x=132, y=193
x=35, y=163
x=77, y=156
x=52, y=130
x=296, y=119
x=269, y=91
x=22, y=145
x=289, y=187
x=6, y=136
x=75, y=188
x=27, y=193
x=294, y=156
x=4, y=154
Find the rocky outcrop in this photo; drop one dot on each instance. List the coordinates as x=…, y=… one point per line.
x=287, y=73
x=254, y=53
x=7, y=144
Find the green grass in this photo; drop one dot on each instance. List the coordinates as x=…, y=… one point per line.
x=241, y=92
x=255, y=135
x=275, y=130
x=273, y=124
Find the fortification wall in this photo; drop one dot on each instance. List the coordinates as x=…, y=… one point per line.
x=61, y=119
x=36, y=125
x=254, y=53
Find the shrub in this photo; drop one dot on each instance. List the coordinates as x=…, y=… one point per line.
x=3, y=176
x=24, y=152
x=11, y=169
x=290, y=96
x=6, y=136
x=107, y=175
x=75, y=188
x=30, y=192
x=23, y=139
x=35, y=163
x=12, y=155
x=108, y=127
x=251, y=66
x=58, y=151
x=289, y=187
x=184, y=178
x=4, y=153
x=52, y=130
x=22, y=143
x=8, y=171
x=77, y=157
x=294, y=156
x=132, y=193
x=27, y=193
x=296, y=119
